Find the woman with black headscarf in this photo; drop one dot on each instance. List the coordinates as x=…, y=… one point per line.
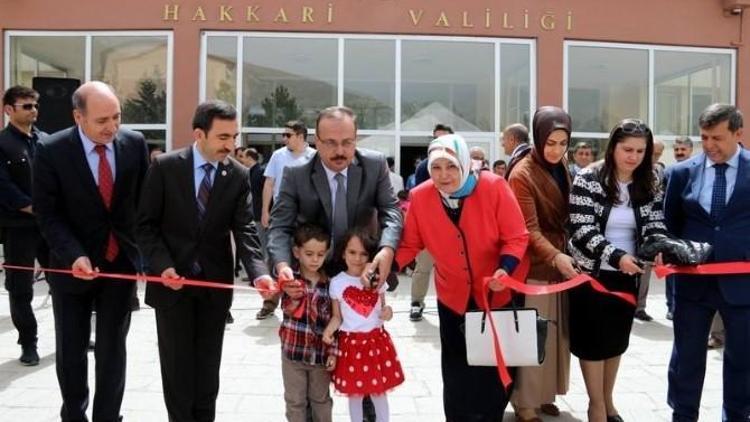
x=541, y=184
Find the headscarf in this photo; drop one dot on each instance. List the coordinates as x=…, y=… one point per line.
x=548, y=119
x=453, y=148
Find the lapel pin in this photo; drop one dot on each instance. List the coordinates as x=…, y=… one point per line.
x=223, y=172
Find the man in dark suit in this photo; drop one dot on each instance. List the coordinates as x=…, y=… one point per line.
x=708, y=200
x=193, y=200
x=87, y=181
x=22, y=243
x=515, y=143
x=340, y=183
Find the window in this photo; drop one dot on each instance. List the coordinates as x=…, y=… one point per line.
x=137, y=64
x=399, y=86
x=668, y=87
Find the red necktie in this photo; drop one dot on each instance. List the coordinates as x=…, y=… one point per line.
x=106, y=186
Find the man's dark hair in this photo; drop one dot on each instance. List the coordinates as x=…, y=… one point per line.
x=498, y=162
x=252, y=153
x=335, y=112
x=210, y=110
x=582, y=145
x=239, y=150
x=298, y=127
x=442, y=127
x=391, y=162
x=717, y=113
x=684, y=140
x=305, y=232
x=518, y=132
x=18, y=92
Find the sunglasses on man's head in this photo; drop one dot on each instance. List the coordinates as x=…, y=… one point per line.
x=27, y=106
x=634, y=126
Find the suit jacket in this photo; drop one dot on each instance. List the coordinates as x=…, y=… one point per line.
x=688, y=220
x=305, y=197
x=16, y=155
x=71, y=213
x=170, y=234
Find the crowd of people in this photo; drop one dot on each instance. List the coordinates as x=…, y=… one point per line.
x=321, y=232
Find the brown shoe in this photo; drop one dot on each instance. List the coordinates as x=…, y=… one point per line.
x=264, y=313
x=550, y=409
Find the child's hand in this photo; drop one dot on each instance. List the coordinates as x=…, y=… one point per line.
x=328, y=336
x=293, y=289
x=386, y=313
x=331, y=363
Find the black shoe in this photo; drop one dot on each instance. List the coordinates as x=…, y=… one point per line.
x=415, y=314
x=29, y=356
x=264, y=313
x=670, y=315
x=230, y=318
x=643, y=316
x=135, y=304
x=615, y=418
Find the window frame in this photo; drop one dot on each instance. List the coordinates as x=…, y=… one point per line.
x=88, y=51
x=490, y=139
x=651, y=49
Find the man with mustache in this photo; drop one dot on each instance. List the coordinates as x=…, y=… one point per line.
x=86, y=186
x=296, y=152
x=194, y=200
x=683, y=148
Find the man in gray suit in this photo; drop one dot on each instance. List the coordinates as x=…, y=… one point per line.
x=339, y=183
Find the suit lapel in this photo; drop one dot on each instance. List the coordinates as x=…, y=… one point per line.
x=320, y=182
x=119, y=148
x=741, y=184
x=80, y=163
x=188, y=179
x=695, y=182
x=353, y=183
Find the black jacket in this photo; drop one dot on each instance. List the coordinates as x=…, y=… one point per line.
x=16, y=157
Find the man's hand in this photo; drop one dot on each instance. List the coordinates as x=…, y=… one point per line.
x=266, y=287
x=82, y=268
x=382, y=261
x=265, y=218
x=294, y=289
x=170, y=273
x=495, y=284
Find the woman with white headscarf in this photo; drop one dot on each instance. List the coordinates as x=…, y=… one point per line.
x=472, y=225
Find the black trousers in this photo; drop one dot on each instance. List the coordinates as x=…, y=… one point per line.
x=22, y=246
x=470, y=393
x=111, y=300
x=191, y=334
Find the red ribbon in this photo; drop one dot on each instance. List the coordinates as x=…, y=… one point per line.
x=147, y=278
x=716, y=268
x=535, y=290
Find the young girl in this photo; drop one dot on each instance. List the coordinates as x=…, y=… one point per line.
x=306, y=361
x=367, y=363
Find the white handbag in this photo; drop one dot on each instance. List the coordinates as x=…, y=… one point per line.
x=521, y=333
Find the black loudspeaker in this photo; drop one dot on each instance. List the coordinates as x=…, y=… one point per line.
x=55, y=107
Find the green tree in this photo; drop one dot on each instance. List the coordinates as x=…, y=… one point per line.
x=278, y=108
x=149, y=106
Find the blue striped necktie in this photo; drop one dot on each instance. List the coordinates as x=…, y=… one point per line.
x=204, y=190
x=719, y=195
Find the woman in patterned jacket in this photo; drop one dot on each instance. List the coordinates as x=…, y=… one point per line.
x=614, y=204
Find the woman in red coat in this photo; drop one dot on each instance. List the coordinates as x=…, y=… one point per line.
x=473, y=227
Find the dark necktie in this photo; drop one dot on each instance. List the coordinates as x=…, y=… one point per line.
x=106, y=186
x=204, y=190
x=340, y=220
x=719, y=196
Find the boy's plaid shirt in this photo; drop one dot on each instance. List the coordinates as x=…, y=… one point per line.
x=302, y=338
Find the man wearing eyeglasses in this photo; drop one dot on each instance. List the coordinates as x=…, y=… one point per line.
x=22, y=240
x=295, y=152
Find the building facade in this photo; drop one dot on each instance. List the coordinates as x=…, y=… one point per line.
x=402, y=65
